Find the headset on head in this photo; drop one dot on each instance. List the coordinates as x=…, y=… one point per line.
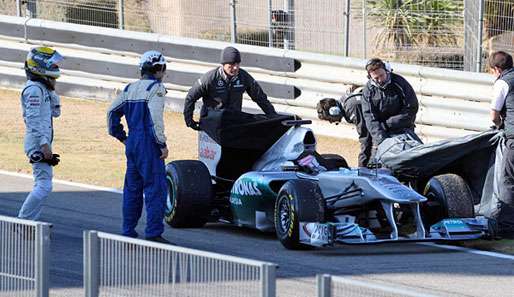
x=380, y=63
x=149, y=67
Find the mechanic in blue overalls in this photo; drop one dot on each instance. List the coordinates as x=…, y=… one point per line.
x=142, y=105
x=40, y=104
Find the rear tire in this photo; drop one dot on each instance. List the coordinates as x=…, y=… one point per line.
x=449, y=196
x=297, y=201
x=189, y=194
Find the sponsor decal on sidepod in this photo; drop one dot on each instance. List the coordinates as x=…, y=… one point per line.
x=245, y=188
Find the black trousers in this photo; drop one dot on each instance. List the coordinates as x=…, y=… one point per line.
x=505, y=215
x=353, y=115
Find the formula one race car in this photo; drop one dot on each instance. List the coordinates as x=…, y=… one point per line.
x=265, y=173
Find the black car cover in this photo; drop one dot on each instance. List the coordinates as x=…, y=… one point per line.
x=430, y=159
x=243, y=138
x=477, y=158
x=240, y=130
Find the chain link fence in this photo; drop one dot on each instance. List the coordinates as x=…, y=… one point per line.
x=8, y=7
x=439, y=33
x=418, y=32
x=498, y=27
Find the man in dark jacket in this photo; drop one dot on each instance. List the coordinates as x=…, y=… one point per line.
x=502, y=115
x=223, y=88
x=351, y=104
x=349, y=107
x=389, y=104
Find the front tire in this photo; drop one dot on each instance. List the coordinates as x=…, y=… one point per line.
x=297, y=201
x=449, y=196
x=189, y=194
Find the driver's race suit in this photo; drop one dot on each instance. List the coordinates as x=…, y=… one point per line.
x=39, y=105
x=142, y=105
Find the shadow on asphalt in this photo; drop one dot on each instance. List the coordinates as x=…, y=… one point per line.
x=72, y=212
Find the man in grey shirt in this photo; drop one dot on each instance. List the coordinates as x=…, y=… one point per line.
x=502, y=115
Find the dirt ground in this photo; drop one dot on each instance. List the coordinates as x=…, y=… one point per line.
x=90, y=155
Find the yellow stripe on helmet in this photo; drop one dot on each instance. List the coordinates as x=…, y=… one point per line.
x=45, y=50
x=31, y=63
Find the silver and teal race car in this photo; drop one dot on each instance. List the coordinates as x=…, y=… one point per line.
x=265, y=173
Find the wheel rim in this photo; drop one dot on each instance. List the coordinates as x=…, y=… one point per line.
x=434, y=208
x=170, y=198
x=284, y=208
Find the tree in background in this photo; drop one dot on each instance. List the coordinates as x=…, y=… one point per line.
x=394, y=18
x=411, y=25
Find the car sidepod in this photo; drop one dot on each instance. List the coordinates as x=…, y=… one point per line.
x=252, y=198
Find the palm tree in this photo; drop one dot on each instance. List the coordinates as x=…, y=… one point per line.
x=415, y=24
x=395, y=20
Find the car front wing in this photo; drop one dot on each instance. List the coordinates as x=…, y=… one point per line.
x=455, y=229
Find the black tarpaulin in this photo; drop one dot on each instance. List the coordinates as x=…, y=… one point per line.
x=240, y=130
x=428, y=159
x=243, y=138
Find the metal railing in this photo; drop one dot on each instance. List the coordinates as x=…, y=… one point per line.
x=120, y=266
x=24, y=257
x=449, y=100
x=333, y=286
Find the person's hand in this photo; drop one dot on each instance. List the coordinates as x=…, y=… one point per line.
x=47, y=152
x=194, y=125
x=164, y=153
x=54, y=161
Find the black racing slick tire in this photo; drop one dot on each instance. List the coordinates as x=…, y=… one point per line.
x=188, y=203
x=297, y=201
x=449, y=196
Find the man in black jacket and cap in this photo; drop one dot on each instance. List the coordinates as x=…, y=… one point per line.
x=223, y=88
x=389, y=104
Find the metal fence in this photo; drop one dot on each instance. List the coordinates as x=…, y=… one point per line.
x=333, y=286
x=498, y=26
x=24, y=253
x=417, y=32
x=440, y=33
x=449, y=100
x=473, y=26
x=120, y=266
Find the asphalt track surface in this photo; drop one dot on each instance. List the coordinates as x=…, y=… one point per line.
x=419, y=268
